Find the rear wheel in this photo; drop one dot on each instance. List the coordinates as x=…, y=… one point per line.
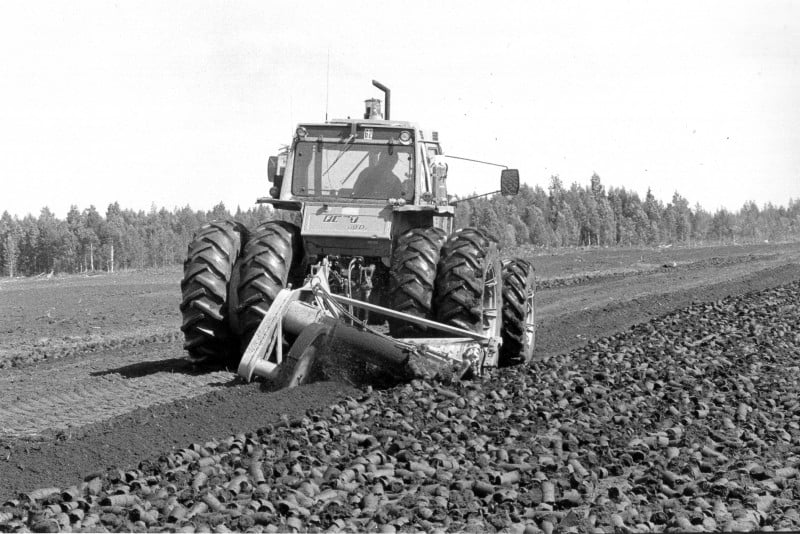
x=207, y=272
x=519, y=330
x=467, y=289
x=412, y=277
x=270, y=260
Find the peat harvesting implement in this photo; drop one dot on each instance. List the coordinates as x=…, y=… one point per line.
x=360, y=271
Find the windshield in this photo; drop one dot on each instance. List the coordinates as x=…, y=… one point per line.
x=353, y=170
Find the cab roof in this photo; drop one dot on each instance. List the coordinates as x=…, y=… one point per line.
x=425, y=135
x=371, y=122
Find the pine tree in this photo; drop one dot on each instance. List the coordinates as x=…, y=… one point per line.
x=10, y=234
x=652, y=208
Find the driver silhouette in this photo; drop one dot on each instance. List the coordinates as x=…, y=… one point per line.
x=379, y=180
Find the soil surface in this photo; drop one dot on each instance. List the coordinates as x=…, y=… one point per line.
x=92, y=374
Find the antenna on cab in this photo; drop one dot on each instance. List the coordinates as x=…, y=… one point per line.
x=327, y=84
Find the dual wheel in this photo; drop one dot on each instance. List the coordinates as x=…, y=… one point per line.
x=231, y=277
x=455, y=281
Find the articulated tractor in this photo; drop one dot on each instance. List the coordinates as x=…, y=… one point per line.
x=361, y=257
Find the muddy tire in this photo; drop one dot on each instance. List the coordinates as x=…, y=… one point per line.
x=412, y=277
x=207, y=272
x=467, y=289
x=519, y=333
x=270, y=260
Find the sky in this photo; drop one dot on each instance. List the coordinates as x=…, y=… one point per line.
x=182, y=102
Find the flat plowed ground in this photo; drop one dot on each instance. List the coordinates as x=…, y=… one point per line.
x=92, y=374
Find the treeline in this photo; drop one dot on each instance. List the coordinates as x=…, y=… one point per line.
x=559, y=217
x=120, y=239
x=590, y=215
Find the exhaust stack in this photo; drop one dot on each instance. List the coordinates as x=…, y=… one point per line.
x=387, y=95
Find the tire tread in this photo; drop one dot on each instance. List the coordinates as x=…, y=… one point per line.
x=517, y=283
x=412, y=277
x=211, y=259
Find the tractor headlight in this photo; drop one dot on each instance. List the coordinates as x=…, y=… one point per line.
x=405, y=137
x=301, y=132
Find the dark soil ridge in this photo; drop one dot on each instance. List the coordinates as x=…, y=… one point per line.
x=562, y=333
x=61, y=349
x=125, y=441
x=581, y=279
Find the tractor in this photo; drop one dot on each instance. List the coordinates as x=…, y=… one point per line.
x=361, y=253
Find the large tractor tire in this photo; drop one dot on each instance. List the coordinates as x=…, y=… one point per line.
x=519, y=332
x=467, y=290
x=207, y=273
x=412, y=277
x=270, y=260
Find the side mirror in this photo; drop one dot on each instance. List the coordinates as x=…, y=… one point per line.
x=509, y=182
x=272, y=168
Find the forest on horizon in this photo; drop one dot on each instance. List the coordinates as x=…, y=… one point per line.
x=588, y=215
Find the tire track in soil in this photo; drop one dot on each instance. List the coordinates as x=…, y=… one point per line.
x=156, y=426
x=609, y=275
x=65, y=398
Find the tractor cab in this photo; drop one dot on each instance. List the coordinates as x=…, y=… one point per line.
x=370, y=160
x=356, y=161
x=359, y=183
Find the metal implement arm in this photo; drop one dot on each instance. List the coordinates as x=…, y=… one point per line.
x=411, y=318
x=294, y=310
